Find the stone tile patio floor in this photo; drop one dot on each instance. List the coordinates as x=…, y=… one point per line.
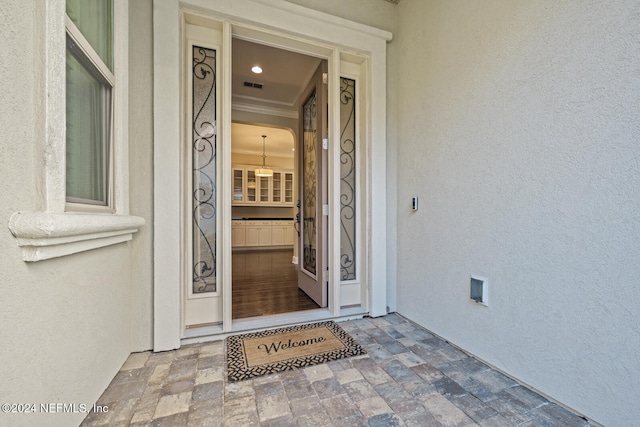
x=408, y=378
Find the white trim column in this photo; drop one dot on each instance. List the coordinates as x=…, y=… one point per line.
x=377, y=182
x=225, y=118
x=167, y=302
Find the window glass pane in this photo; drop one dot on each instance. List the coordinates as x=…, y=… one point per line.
x=309, y=156
x=88, y=111
x=204, y=147
x=348, y=179
x=94, y=19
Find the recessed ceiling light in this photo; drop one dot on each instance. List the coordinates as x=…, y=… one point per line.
x=256, y=69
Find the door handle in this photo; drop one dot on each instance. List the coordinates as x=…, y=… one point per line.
x=296, y=224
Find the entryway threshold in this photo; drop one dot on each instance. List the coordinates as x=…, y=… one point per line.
x=216, y=333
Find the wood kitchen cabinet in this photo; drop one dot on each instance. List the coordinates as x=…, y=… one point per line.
x=257, y=233
x=238, y=185
x=238, y=233
x=276, y=191
x=287, y=186
x=262, y=233
x=282, y=233
x=250, y=190
x=264, y=187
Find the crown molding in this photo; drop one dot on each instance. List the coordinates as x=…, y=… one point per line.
x=271, y=111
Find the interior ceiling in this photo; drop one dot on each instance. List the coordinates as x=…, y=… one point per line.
x=247, y=139
x=285, y=75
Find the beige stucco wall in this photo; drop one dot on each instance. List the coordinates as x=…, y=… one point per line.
x=518, y=129
x=519, y=132
x=68, y=323
x=375, y=13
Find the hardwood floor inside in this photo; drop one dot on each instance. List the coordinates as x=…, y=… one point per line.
x=265, y=282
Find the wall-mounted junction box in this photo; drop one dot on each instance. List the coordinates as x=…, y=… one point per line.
x=479, y=290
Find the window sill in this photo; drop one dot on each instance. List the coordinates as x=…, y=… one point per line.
x=46, y=235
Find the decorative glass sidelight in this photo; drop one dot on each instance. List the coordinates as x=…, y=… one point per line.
x=204, y=169
x=309, y=208
x=347, y=179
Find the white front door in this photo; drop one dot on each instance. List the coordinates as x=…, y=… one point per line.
x=312, y=158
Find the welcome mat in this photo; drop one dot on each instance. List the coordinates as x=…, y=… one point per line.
x=260, y=353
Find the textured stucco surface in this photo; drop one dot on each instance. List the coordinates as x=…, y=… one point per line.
x=375, y=13
x=66, y=322
x=519, y=132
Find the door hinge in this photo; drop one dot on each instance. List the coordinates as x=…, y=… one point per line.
x=325, y=78
x=325, y=143
x=325, y=210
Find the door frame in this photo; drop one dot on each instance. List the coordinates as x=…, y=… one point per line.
x=301, y=25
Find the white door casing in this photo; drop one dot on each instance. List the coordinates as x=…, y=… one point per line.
x=299, y=24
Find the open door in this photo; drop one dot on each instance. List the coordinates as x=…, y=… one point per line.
x=312, y=161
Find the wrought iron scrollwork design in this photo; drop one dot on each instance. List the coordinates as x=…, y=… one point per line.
x=309, y=210
x=204, y=170
x=347, y=179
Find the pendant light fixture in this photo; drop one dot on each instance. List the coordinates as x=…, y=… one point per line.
x=263, y=171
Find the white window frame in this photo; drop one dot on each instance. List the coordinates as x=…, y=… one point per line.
x=90, y=56
x=53, y=230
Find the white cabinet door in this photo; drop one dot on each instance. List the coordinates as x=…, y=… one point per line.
x=289, y=234
x=239, y=187
x=288, y=188
x=237, y=233
x=251, y=235
x=277, y=235
x=276, y=187
x=264, y=186
x=264, y=235
x=251, y=187
x=258, y=233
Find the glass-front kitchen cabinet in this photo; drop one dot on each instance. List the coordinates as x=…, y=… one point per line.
x=287, y=185
x=249, y=190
